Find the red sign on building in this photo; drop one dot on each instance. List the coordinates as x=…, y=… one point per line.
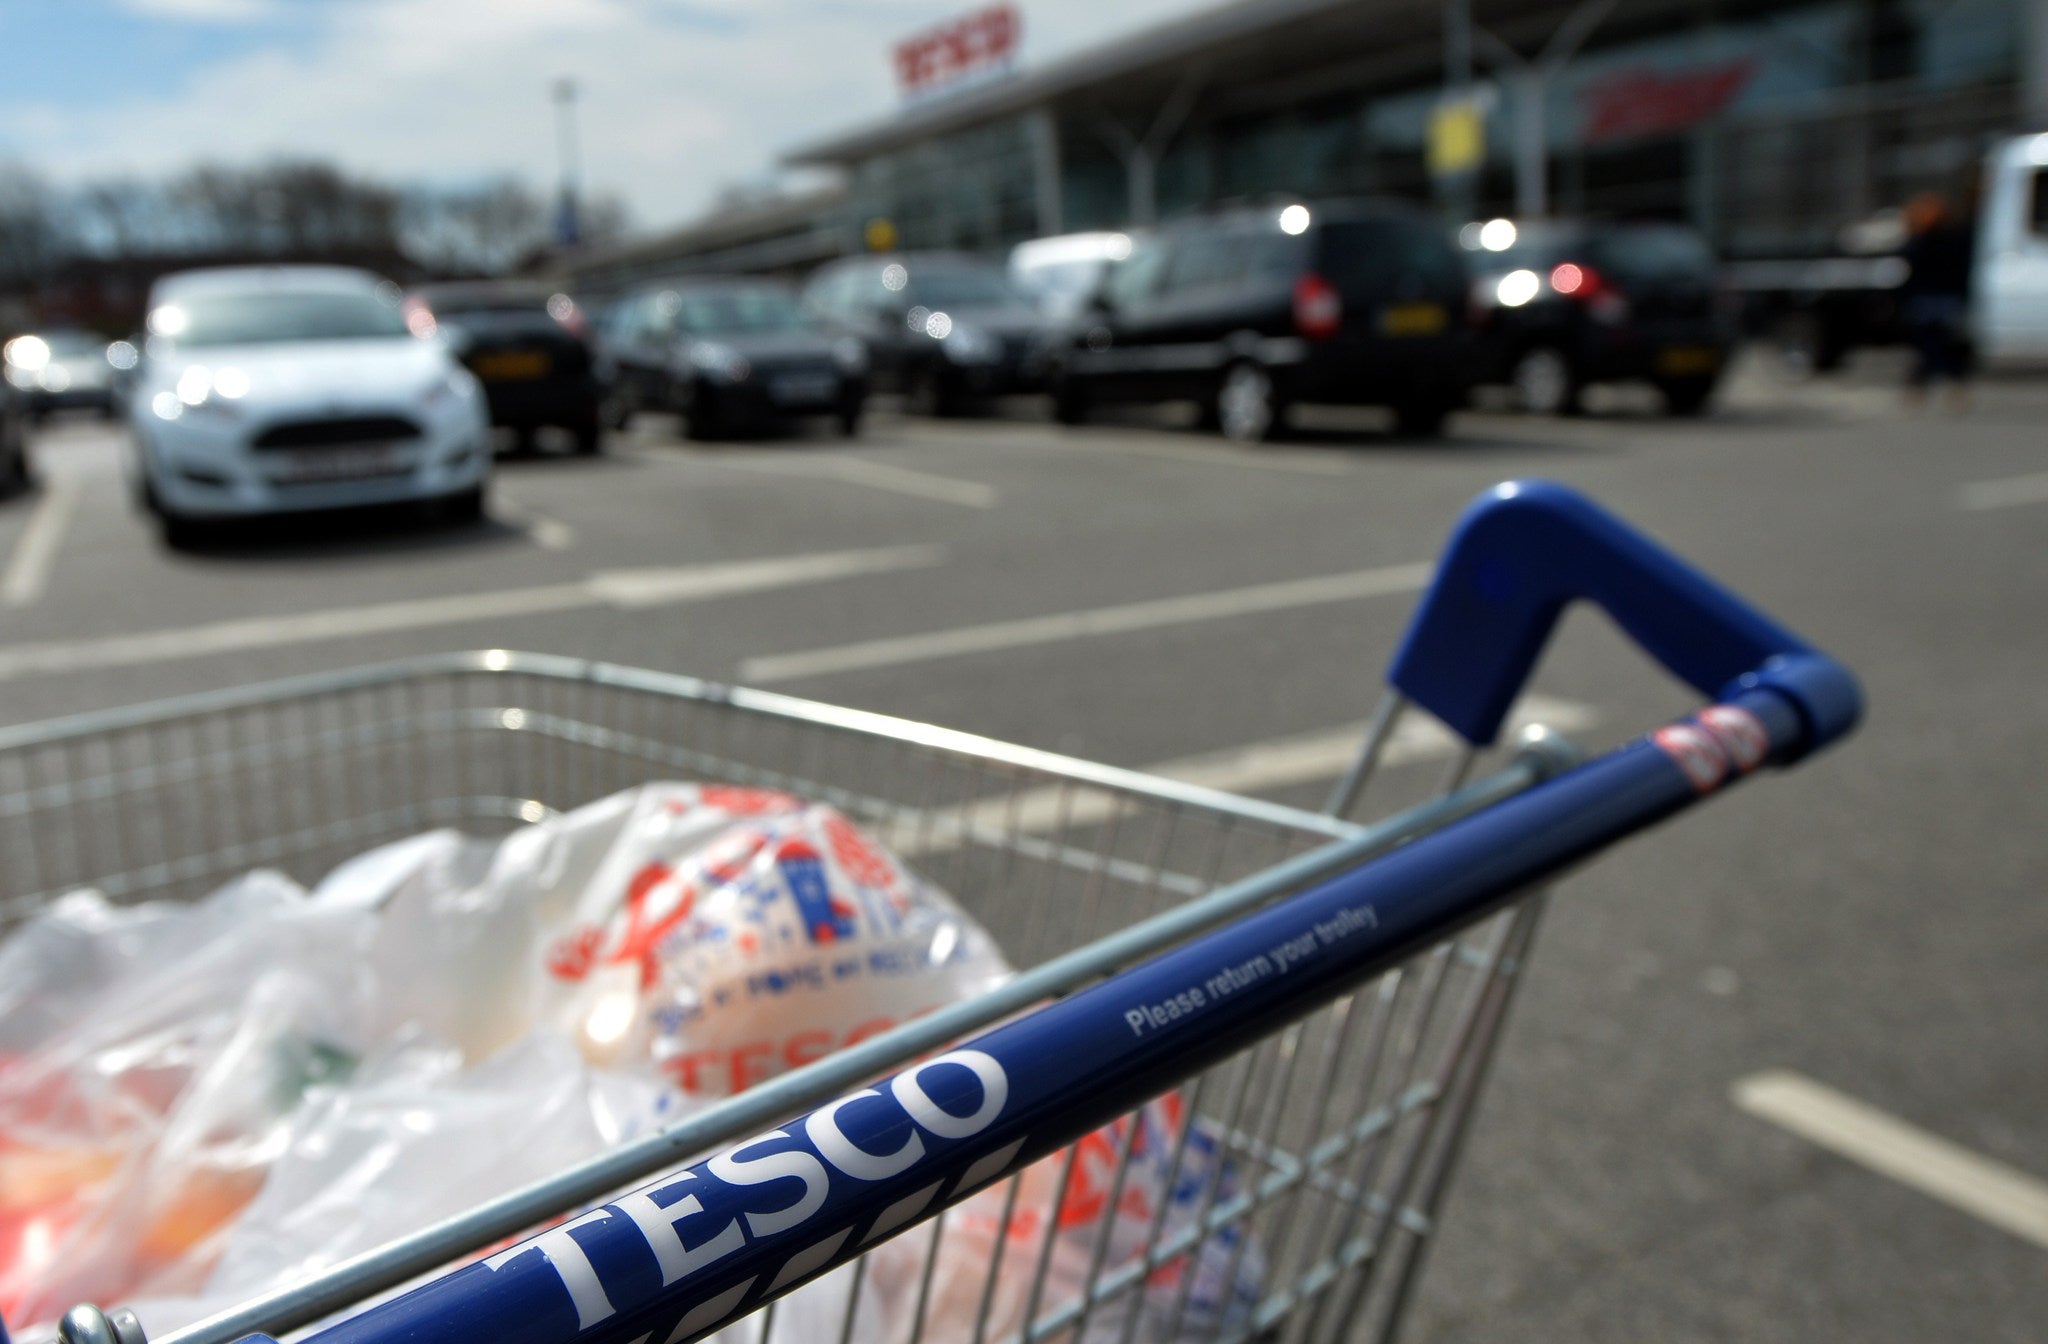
x=1645, y=102
x=975, y=44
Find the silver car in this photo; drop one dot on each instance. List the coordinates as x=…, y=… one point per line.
x=278, y=389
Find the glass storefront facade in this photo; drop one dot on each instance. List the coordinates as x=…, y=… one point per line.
x=1769, y=133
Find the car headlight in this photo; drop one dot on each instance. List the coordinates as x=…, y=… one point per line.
x=966, y=345
x=850, y=355
x=720, y=363
x=450, y=387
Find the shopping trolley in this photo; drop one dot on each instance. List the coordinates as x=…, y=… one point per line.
x=1319, y=999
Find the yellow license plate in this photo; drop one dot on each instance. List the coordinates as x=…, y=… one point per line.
x=513, y=364
x=1681, y=359
x=1413, y=319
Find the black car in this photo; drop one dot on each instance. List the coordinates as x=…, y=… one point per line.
x=945, y=329
x=1250, y=310
x=530, y=348
x=14, y=472
x=1565, y=304
x=729, y=355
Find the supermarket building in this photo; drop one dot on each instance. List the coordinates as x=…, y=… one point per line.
x=1768, y=126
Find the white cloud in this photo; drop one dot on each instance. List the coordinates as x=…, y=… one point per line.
x=204, y=11
x=676, y=99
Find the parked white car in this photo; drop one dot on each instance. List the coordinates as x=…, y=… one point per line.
x=2010, y=305
x=277, y=389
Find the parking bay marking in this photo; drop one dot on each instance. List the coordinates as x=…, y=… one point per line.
x=2004, y=492
x=619, y=588
x=35, y=550
x=550, y=534
x=1283, y=596
x=877, y=476
x=1257, y=767
x=2003, y=1196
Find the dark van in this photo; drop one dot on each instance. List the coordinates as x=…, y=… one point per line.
x=1249, y=311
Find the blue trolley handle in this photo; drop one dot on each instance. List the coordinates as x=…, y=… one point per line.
x=1525, y=550
x=678, y=1258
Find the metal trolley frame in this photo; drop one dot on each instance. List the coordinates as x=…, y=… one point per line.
x=1358, y=976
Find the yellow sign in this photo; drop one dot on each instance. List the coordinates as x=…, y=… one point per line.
x=1457, y=138
x=881, y=235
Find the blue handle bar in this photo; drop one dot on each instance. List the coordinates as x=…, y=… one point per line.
x=1525, y=550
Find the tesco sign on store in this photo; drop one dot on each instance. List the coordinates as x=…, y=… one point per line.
x=968, y=48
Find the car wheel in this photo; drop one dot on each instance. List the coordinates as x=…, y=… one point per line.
x=1248, y=405
x=848, y=421
x=15, y=475
x=1544, y=382
x=525, y=441
x=179, y=532
x=931, y=394
x=1069, y=401
x=1421, y=419
x=1686, y=396
x=702, y=423
x=465, y=506
x=615, y=412
x=589, y=438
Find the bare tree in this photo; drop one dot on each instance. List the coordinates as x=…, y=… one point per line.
x=29, y=236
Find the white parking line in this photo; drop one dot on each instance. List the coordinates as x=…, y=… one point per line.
x=35, y=550
x=1988, y=1189
x=550, y=534
x=1259, y=459
x=875, y=475
x=1116, y=620
x=621, y=588
x=1256, y=767
x=2004, y=493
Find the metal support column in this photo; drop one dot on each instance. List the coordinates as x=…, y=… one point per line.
x=1044, y=131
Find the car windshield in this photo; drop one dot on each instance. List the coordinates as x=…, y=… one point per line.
x=962, y=287
x=258, y=317
x=735, y=312
x=1063, y=279
x=71, y=344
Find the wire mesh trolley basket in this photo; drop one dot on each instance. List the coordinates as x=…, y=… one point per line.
x=1253, y=1033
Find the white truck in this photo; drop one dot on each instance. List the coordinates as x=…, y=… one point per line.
x=2009, y=308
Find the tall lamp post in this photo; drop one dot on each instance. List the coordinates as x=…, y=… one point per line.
x=567, y=232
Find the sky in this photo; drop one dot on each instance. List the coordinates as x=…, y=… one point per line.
x=678, y=99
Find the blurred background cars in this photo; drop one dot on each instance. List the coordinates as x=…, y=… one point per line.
x=529, y=347
x=1249, y=311
x=277, y=389
x=729, y=356
x=1060, y=273
x=1566, y=304
x=60, y=369
x=945, y=329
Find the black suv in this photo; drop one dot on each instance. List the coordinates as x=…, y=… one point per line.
x=1564, y=304
x=728, y=355
x=1251, y=310
x=943, y=328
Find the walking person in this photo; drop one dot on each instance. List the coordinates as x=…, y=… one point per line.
x=1935, y=298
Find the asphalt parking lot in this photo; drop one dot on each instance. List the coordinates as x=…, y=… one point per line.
x=1872, y=922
